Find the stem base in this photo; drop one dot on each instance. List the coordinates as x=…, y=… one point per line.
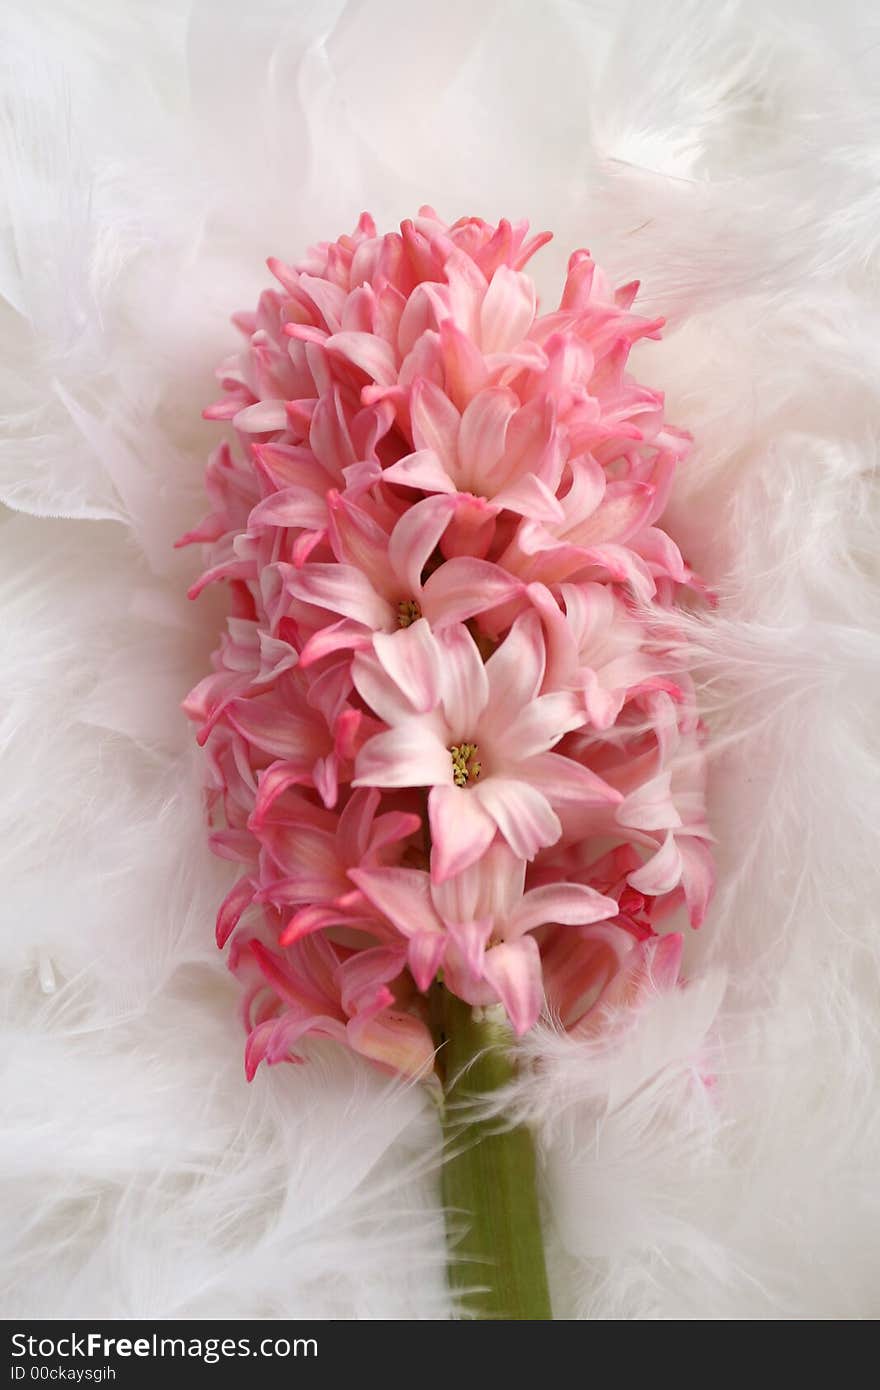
x=496, y=1251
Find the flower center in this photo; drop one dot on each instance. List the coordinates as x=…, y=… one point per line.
x=465, y=767
x=408, y=612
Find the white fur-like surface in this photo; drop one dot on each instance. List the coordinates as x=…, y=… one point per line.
x=720, y=1160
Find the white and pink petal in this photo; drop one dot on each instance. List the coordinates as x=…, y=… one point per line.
x=461, y=829
x=522, y=814
x=513, y=969
x=412, y=658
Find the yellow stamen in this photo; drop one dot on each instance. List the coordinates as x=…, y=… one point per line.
x=465, y=767
x=408, y=612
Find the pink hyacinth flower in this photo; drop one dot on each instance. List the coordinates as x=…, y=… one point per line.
x=445, y=737
x=478, y=924
x=437, y=696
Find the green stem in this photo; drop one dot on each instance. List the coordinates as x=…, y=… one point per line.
x=496, y=1253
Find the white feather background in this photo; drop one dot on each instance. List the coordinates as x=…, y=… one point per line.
x=728, y=155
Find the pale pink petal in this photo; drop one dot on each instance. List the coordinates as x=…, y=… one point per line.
x=651, y=968
x=270, y=725
x=412, y=658
x=273, y=781
x=311, y=336
x=225, y=409
x=298, y=980
x=360, y=477
x=504, y=367
x=500, y=878
x=418, y=317
x=457, y=899
x=359, y=541
x=422, y=364
x=341, y=635
x=389, y=829
x=325, y=775
x=275, y=657
x=533, y=538
x=460, y=829
x=470, y=936
x=661, y=554
x=409, y=755
x=590, y=610
x=345, y=634
x=466, y=371
x=650, y=806
x=622, y=512
x=698, y=876
x=530, y=497
x=309, y=919
x=507, y=311
x=664, y=959
x=261, y=417
x=328, y=299
x=661, y=873
x=381, y=694
x=483, y=430
x=395, y=1040
x=422, y=469
x=566, y=904
x=238, y=846
x=401, y=895
x=356, y=823
x=342, y=589
x=559, y=637
x=286, y=1032
x=373, y=355
x=465, y=687
x=522, y=814
x=530, y=433
x=362, y=977
x=602, y=708
x=239, y=897
x=515, y=671
x=293, y=506
x=435, y=424
x=425, y=956
x=473, y=527
x=414, y=539
x=328, y=689
x=513, y=969
x=577, y=966
x=463, y=587
x=229, y=569
x=459, y=980
x=258, y=1043
x=310, y=860
x=304, y=544
x=564, y=780
x=329, y=435
x=466, y=289
x=624, y=566
x=542, y=723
